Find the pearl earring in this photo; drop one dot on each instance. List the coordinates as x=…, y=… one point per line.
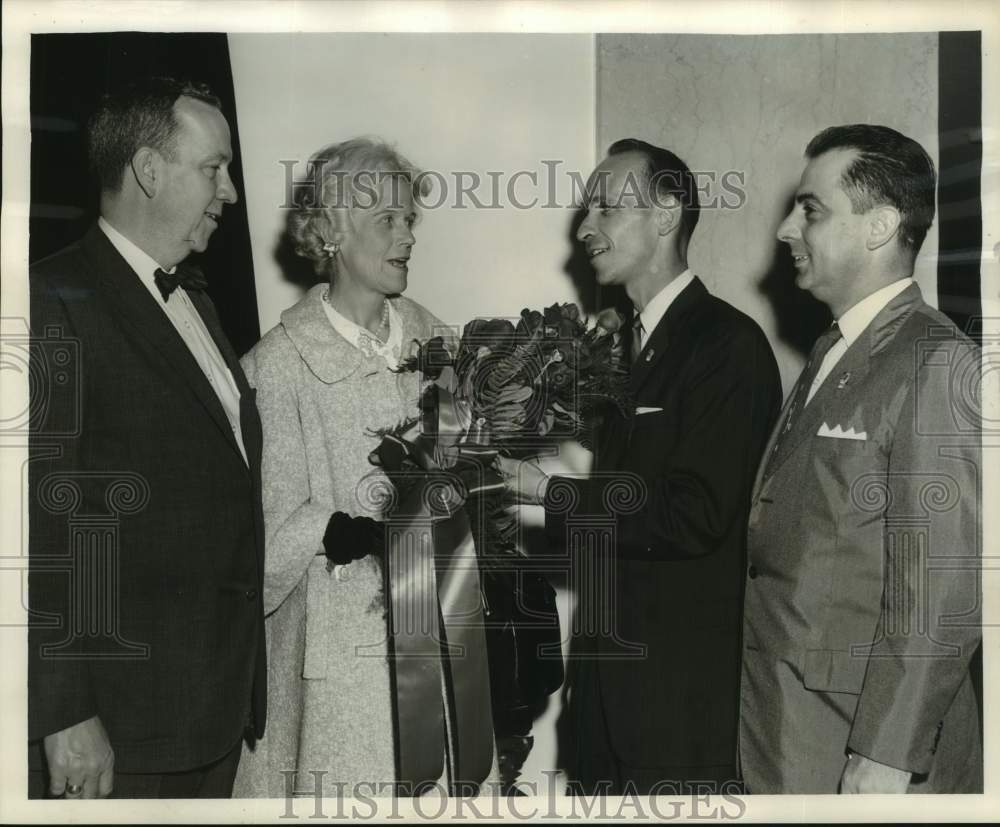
x=331, y=248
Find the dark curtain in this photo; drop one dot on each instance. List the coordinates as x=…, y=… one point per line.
x=960, y=220
x=960, y=137
x=69, y=73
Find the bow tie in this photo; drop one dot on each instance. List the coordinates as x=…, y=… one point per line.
x=185, y=275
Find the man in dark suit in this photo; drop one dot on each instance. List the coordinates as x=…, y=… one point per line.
x=654, y=699
x=146, y=650
x=862, y=599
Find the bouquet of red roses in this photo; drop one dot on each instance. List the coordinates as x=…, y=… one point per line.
x=519, y=388
x=516, y=389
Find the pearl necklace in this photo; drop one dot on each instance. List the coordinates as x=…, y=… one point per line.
x=364, y=331
x=372, y=340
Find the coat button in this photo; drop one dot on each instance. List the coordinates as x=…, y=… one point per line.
x=752, y=572
x=251, y=594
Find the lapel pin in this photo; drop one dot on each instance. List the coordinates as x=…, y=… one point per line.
x=649, y=355
x=843, y=381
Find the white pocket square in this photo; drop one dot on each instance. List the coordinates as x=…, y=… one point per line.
x=839, y=433
x=640, y=410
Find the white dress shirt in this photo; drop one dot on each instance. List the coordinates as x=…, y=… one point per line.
x=184, y=316
x=650, y=316
x=361, y=338
x=852, y=324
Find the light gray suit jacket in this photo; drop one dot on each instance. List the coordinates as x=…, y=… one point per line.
x=862, y=604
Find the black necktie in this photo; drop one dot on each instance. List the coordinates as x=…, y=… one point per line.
x=184, y=275
x=800, y=394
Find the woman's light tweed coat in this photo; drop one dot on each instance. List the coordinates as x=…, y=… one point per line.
x=329, y=705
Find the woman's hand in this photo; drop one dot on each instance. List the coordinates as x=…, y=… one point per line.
x=348, y=538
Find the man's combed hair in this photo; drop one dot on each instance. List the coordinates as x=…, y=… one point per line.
x=141, y=114
x=889, y=169
x=668, y=175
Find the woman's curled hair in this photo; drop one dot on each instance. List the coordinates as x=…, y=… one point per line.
x=341, y=176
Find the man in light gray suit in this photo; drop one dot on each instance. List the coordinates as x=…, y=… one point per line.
x=862, y=604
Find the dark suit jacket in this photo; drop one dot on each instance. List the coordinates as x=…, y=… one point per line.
x=862, y=603
x=674, y=573
x=146, y=534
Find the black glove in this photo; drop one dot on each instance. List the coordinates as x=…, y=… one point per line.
x=350, y=538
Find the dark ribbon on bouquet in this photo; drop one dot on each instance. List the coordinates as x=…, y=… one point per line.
x=435, y=605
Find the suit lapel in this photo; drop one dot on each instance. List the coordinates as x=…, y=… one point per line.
x=764, y=464
x=139, y=313
x=207, y=313
x=855, y=364
x=660, y=355
x=658, y=346
x=250, y=427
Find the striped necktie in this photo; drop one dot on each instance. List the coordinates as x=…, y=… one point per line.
x=637, y=332
x=823, y=344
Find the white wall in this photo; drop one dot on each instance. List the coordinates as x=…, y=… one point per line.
x=450, y=103
x=751, y=103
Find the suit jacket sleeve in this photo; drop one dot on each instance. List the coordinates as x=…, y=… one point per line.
x=293, y=523
x=731, y=395
x=929, y=626
x=59, y=688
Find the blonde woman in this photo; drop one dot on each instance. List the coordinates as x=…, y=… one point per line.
x=324, y=376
